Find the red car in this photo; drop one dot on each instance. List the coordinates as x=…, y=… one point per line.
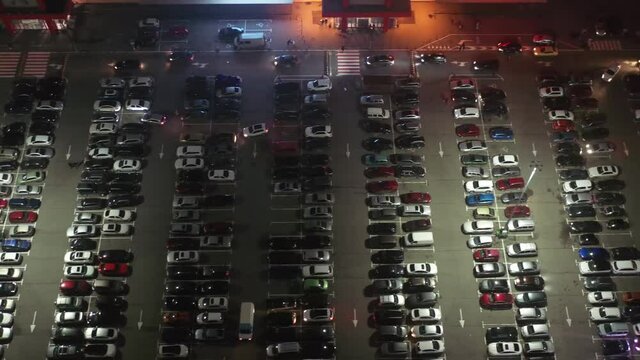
x=3, y=203
x=486, y=255
x=378, y=187
x=23, y=217
x=415, y=198
x=517, y=211
x=177, y=318
x=189, y=188
x=510, y=183
x=563, y=125
x=467, y=130
x=496, y=301
x=75, y=288
x=218, y=228
x=178, y=31
x=113, y=269
x=376, y=172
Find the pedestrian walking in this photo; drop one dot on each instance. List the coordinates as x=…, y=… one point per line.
x=478, y=25
x=342, y=48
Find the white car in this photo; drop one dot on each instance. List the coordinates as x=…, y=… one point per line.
x=178, y=351
x=551, y=91
x=561, y=115
x=317, y=315
x=477, y=227
x=6, y=320
x=210, y=318
x=101, y=153
x=322, y=84
x=50, y=105
x=137, y=105
x=599, y=147
x=371, y=100
x=605, y=313
x=427, y=331
x=430, y=347
x=611, y=72
x=466, y=113
x=522, y=249
x=625, y=267
x=601, y=297
x=231, y=91
x=107, y=106
x=462, y=84
x=316, y=256
x=472, y=145
x=189, y=164
x=478, y=186
x=317, y=271
x=319, y=198
x=112, y=229
x=79, y=257
x=531, y=314
x=286, y=187
x=102, y=128
x=193, y=138
x=7, y=305
x=7, y=273
x=425, y=315
x=69, y=318
x=383, y=201
x=118, y=215
x=101, y=334
x=221, y=175
x=577, y=186
x=10, y=258
x=79, y=272
x=86, y=218
x=591, y=267
x=394, y=300
x=524, y=268
x=6, y=178
x=504, y=349
x=480, y=241
x=141, y=81
x=22, y=231
x=183, y=257
x=213, y=302
x=113, y=82
x=40, y=152
x=604, y=171
x=82, y=231
x=255, y=130
x=318, y=131
x=323, y=212
x=190, y=151
x=534, y=331
x=27, y=190
x=127, y=165
x=39, y=140
x=421, y=269
x=504, y=160
x=216, y=241
x=408, y=114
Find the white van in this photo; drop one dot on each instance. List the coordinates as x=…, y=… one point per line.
x=613, y=329
x=316, y=99
x=245, y=330
x=521, y=225
x=377, y=113
x=419, y=238
x=251, y=40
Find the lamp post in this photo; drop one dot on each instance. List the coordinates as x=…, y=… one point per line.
x=535, y=166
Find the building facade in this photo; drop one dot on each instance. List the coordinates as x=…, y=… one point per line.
x=52, y=15
x=365, y=14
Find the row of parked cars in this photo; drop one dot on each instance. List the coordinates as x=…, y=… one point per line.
x=302, y=325
x=593, y=196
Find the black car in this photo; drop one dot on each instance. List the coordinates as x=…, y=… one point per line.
x=573, y=174
x=140, y=92
x=285, y=61
x=219, y=200
x=282, y=303
x=380, y=60
x=284, y=243
x=195, y=115
x=493, y=285
x=568, y=148
x=107, y=140
x=80, y=244
x=593, y=120
x=17, y=127
x=599, y=283
x=373, y=126
x=506, y=171
x=387, y=271
x=286, y=173
x=386, y=286
x=589, y=226
x=501, y=333
x=509, y=47
x=490, y=93
x=19, y=107
x=409, y=171
x=575, y=211
x=382, y=242
x=275, y=333
x=8, y=289
x=377, y=144
x=91, y=188
x=284, y=116
x=120, y=201
x=131, y=178
x=491, y=65
x=609, y=198
x=618, y=224
x=183, y=244
x=96, y=176
x=34, y=164
x=45, y=116
x=625, y=253
x=66, y=335
x=585, y=103
x=127, y=65
x=178, y=303
x=317, y=171
x=390, y=317
x=182, y=272
x=175, y=335
x=631, y=313
x=111, y=303
x=556, y=103
x=122, y=188
x=388, y=257
x=494, y=108
x=214, y=288
x=179, y=287
x=526, y=283
x=315, y=300
x=317, y=183
x=382, y=228
x=318, y=349
x=594, y=134
x=42, y=128
x=315, y=242
x=316, y=114
x=315, y=159
x=405, y=97
x=613, y=211
x=587, y=239
x=286, y=88
x=316, y=143
x=465, y=96
x=180, y=56
x=610, y=185
x=570, y=160
x=191, y=175
x=406, y=126
x=91, y=204
x=229, y=33
x=419, y=284
x=416, y=225
x=615, y=347
x=281, y=318
x=531, y=299
x=432, y=58
x=115, y=256
x=284, y=257
x=105, y=318
x=410, y=142
x=514, y=198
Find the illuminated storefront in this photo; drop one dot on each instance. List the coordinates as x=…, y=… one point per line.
x=365, y=14
x=51, y=15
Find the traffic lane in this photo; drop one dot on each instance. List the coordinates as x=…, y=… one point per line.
x=400, y=67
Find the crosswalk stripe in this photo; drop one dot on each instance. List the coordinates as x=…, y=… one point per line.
x=348, y=62
x=36, y=64
x=605, y=45
x=8, y=64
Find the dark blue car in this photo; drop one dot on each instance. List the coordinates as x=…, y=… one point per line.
x=501, y=133
x=593, y=253
x=24, y=204
x=480, y=199
x=16, y=245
